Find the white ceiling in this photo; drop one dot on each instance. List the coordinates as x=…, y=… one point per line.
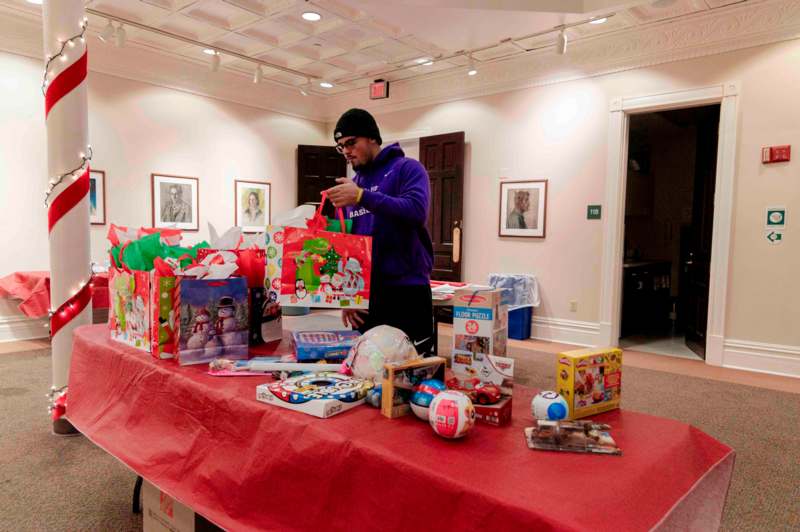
x=358, y=40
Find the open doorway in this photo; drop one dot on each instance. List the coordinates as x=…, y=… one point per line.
x=669, y=214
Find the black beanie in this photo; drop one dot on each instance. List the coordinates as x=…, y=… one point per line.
x=357, y=123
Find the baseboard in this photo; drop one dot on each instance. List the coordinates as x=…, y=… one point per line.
x=763, y=358
x=22, y=328
x=582, y=333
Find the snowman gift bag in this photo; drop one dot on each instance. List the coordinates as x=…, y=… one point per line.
x=214, y=319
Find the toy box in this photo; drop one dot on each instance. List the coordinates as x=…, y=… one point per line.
x=323, y=394
x=323, y=345
x=590, y=380
x=399, y=379
x=488, y=380
x=480, y=321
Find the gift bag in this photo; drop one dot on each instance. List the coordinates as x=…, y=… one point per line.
x=324, y=269
x=164, y=314
x=214, y=319
x=265, y=323
x=129, y=312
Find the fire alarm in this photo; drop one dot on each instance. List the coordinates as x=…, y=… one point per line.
x=379, y=89
x=776, y=154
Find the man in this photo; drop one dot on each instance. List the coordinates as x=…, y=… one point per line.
x=389, y=200
x=175, y=209
x=516, y=218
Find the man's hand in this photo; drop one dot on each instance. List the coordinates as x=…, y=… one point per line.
x=344, y=194
x=353, y=318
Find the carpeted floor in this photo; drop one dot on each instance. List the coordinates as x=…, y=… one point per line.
x=52, y=483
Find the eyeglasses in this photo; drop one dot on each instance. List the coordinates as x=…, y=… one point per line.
x=349, y=143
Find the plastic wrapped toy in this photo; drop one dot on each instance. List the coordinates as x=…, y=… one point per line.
x=378, y=346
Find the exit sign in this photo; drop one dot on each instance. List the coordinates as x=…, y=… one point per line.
x=593, y=212
x=378, y=90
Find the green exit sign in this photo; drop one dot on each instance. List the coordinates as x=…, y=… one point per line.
x=593, y=212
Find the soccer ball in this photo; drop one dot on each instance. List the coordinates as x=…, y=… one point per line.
x=451, y=414
x=424, y=392
x=376, y=347
x=549, y=406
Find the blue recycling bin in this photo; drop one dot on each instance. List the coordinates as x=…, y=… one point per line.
x=521, y=295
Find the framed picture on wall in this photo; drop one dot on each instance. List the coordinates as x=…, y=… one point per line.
x=176, y=201
x=97, y=197
x=253, y=202
x=523, y=208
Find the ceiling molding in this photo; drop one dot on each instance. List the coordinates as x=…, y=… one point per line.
x=735, y=27
x=21, y=34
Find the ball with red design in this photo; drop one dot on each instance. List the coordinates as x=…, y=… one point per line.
x=451, y=414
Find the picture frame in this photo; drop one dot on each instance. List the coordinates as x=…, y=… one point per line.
x=252, y=205
x=175, y=201
x=523, y=208
x=97, y=197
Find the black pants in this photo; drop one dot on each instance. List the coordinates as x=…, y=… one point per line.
x=408, y=308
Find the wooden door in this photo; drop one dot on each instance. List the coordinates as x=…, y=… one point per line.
x=443, y=158
x=317, y=170
x=696, y=262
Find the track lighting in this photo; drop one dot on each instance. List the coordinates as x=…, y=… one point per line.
x=561, y=43
x=121, y=36
x=215, y=62
x=259, y=75
x=107, y=33
x=471, y=70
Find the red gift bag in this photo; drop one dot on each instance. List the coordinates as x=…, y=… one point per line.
x=323, y=269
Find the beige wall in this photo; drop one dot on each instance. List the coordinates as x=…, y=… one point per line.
x=136, y=129
x=560, y=132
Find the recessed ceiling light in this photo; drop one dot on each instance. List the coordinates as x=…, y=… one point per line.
x=209, y=51
x=423, y=60
x=326, y=85
x=37, y=2
x=311, y=16
x=598, y=21
x=472, y=72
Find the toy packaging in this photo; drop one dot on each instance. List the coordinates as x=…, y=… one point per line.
x=480, y=322
x=214, y=319
x=399, y=379
x=571, y=436
x=590, y=380
x=323, y=345
x=322, y=394
x=488, y=380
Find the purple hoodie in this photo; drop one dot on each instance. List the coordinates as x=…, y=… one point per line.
x=394, y=211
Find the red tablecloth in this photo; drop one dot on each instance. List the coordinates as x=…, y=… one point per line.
x=33, y=288
x=246, y=465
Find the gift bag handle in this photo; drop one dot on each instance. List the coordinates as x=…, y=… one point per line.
x=339, y=212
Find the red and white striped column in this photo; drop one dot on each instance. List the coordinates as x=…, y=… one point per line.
x=68, y=154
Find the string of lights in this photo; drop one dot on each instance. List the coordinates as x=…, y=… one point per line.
x=60, y=54
x=85, y=159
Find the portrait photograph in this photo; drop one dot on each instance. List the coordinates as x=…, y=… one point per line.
x=523, y=208
x=176, y=201
x=252, y=205
x=97, y=197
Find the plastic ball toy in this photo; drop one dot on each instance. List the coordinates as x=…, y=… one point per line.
x=376, y=347
x=451, y=414
x=549, y=406
x=424, y=392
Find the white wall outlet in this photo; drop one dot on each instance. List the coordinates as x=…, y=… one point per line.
x=573, y=306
